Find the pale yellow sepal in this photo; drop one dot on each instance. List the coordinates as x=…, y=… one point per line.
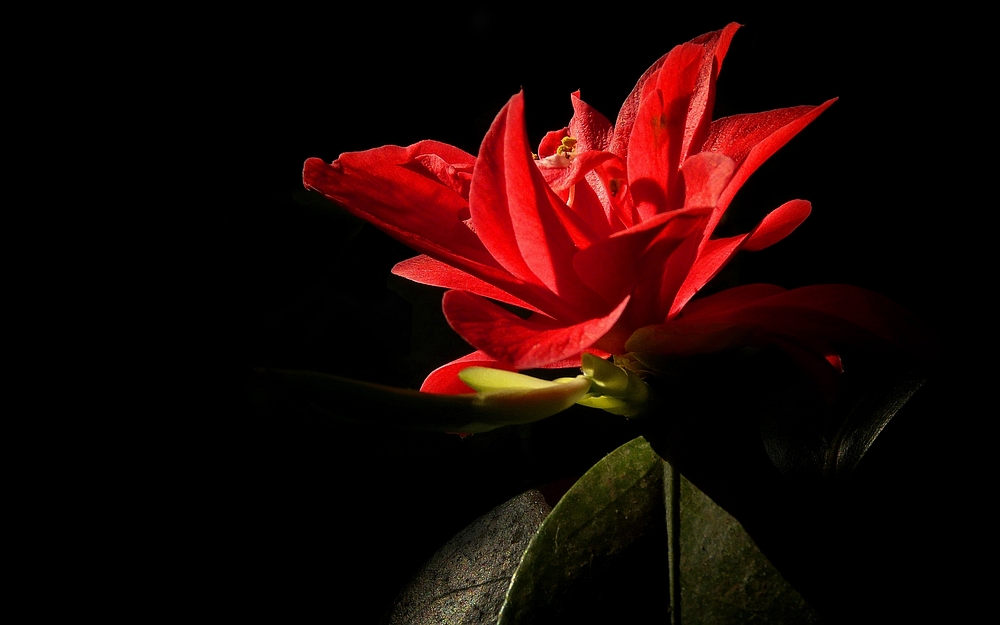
x=526, y=404
x=484, y=379
x=607, y=386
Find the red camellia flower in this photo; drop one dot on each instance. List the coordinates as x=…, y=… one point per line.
x=606, y=234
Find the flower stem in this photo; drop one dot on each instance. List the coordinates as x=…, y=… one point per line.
x=672, y=499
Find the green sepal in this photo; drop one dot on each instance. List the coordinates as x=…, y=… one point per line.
x=612, y=382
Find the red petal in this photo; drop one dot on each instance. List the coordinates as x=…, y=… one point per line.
x=752, y=139
x=457, y=177
x=522, y=222
x=813, y=318
x=521, y=343
x=715, y=253
x=591, y=130
x=715, y=45
x=735, y=298
x=654, y=147
x=574, y=187
x=426, y=270
x=778, y=224
x=699, y=115
x=551, y=142
x=393, y=190
x=617, y=265
x=630, y=108
x=706, y=177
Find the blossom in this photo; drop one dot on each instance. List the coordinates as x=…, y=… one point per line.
x=605, y=234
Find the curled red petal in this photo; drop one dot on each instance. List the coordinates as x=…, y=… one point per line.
x=551, y=142
x=522, y=343
x=457, y=177
x=392, y=188
x=777, y=225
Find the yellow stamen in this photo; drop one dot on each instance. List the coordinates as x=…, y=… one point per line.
x=567, y=147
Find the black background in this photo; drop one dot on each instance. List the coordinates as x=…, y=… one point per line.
x=300, y=516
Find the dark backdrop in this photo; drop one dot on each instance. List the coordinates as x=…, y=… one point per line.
x=295, y=502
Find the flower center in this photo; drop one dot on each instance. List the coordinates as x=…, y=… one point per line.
x=563, y=156
x=567, y=147
x=562, y=159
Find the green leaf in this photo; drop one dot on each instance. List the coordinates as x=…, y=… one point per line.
x=867, y=420
x=602, y=555
x=465, y=581
x=597, y=544
x=723, y=576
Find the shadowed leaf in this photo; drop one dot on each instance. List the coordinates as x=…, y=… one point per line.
x=465, y=581
x=603, y=539
x=602, y=555
x=866, y=421
x=724, y=578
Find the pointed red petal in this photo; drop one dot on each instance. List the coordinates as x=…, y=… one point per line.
x=591, y=129
x=715, y=253
x=654, y=147
x=751, y=139
x=522, y=222
x=620, y=263
x=699, y=116
x=715, y=45
x=705, y=176
x=630, y=108
x=522, y=343
x=426, y=270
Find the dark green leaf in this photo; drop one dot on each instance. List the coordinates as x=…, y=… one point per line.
x=603, y=541
x=465, y=581
x=866, y=421
x=602, y=555
x=724, y=578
